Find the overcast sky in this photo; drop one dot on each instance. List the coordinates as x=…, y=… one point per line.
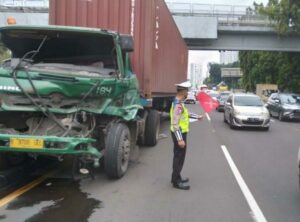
x=204, y=57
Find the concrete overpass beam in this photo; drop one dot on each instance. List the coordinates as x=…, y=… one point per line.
x=197, y=27
x=247, y=41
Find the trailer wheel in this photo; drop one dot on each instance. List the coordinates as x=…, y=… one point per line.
x=152, y=128
x=117, y=151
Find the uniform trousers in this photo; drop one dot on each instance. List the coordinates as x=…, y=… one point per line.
x=178, y=158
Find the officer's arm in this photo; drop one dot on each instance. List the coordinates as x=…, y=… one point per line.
x=195, y=116
x=177, y=111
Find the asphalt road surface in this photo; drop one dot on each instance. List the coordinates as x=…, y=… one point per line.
x=257, y=180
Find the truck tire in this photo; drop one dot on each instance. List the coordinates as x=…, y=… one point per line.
x=152, y=128
x=117, y=151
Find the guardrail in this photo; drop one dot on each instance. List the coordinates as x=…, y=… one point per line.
x=196, y=8
x=227, y=15
x=25, y=3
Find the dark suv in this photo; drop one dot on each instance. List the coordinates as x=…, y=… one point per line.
x=284, y=106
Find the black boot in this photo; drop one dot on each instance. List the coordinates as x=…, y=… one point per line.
x=181, y=186
x=184, y=180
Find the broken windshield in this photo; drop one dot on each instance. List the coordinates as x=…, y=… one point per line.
x=71, y=52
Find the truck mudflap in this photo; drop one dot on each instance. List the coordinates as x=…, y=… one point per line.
x=48, y=145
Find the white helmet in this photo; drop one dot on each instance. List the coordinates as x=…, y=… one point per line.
x=186, y=84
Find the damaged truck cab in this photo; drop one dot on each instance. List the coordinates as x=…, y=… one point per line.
x=71, y=91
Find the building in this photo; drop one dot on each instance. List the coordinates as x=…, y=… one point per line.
x=195, y=75
x=228, y=57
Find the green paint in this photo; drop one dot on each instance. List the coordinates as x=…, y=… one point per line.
x=116, y=95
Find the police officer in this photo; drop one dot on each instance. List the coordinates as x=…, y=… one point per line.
x=179, y=128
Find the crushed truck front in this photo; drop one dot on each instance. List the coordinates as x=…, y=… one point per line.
x=61, y=88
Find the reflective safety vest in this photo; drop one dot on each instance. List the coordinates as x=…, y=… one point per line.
x=184, y=119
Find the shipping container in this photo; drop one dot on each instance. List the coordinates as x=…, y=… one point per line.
x=160, y=56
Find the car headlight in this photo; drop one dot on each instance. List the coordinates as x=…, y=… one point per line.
x=266, y=114
x=237, y=112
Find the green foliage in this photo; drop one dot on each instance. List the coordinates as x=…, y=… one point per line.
x=215, y=75
x=285, y=14
x=4, y=53
x=282, y=68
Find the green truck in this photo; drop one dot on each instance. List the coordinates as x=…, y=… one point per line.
x=70, y=91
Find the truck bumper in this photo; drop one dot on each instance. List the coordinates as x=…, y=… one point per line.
x=49, y=145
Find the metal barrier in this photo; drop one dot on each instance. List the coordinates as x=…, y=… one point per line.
x=24, y=3
x=227, y=15
x=195, y=8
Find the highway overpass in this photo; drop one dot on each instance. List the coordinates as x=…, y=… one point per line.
x=204, y=27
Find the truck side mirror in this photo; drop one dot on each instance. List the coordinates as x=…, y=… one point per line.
x=126, y=43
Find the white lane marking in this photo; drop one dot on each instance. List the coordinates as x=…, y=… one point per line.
x=208, y=117
x=258, y=214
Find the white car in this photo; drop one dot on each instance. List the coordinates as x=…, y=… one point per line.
x=190, y=98
x=246, y=110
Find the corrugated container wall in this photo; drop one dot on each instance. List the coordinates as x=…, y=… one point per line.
x=160, y=55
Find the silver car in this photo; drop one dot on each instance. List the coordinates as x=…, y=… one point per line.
x=246, y=110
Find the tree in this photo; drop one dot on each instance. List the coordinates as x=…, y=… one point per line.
x=215, y=73
x=285, y=14
x=4, y=53
x=280, y=68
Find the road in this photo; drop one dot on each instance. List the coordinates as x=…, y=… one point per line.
x=266, y=162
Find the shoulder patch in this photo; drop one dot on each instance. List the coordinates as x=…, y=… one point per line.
x=179, y=109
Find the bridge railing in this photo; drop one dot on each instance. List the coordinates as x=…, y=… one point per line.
x=196, y=8
x=25, y=3
x=226, y=14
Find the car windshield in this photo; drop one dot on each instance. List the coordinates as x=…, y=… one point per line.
x=214, y=95
x=247, y=101
x=289, y=99
x=224, y=97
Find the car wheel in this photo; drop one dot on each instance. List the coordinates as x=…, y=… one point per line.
x=231, y=122
x=280, y=116
x=266, y=128
x=270, y=113
x=224, y=119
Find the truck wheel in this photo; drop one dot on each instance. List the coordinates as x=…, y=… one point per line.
x=152, y=128
x=117, y=151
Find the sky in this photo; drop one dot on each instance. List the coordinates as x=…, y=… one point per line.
x=204, y=57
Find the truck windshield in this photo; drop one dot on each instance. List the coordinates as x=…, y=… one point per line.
x=89, y=52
